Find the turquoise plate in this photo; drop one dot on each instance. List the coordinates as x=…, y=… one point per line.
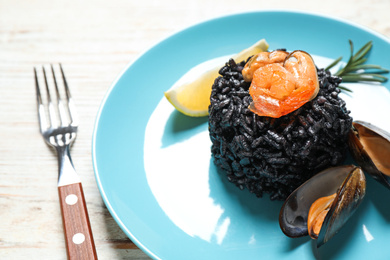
x=153, y=165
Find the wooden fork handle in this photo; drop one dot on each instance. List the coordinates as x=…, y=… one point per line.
x=78, y=232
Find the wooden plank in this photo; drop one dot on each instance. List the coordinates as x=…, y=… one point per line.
x=94, y=40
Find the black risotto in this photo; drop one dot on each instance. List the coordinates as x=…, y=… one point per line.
x=275, y=155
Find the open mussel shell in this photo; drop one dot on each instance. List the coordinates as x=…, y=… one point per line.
x=370, y=147
x=349, y=184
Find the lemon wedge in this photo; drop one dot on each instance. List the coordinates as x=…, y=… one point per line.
x=192, y=98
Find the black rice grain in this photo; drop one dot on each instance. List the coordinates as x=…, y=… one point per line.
x=275, y=156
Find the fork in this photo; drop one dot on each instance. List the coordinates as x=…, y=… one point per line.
x=58, y=125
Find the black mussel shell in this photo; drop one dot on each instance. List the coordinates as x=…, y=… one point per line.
x=347, y=181
x=370, y=147
x=347, y=200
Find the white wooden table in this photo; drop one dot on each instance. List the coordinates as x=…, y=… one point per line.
x=94, y=40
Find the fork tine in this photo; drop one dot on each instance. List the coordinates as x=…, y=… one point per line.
x=71, y=107
x=60, y=105
x=41, y=109
x=52, y=115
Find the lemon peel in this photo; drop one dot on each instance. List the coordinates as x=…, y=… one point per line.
x=193, y=98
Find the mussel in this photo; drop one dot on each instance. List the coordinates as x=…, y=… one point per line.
x=322, y=205
x=370, y=147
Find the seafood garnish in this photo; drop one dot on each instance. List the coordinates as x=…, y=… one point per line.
x=281, y=82
x=370, y=147
x=260, y=60
x=323, y=204
x=317, y=213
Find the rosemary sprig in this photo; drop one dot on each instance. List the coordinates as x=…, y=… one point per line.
x=356, y=71
x=334, y=63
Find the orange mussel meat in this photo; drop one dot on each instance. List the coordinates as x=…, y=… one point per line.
x=281, y=82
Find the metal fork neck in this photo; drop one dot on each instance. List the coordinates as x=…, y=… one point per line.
x=66, y=172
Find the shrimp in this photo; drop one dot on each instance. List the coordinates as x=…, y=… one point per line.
x=281, y=87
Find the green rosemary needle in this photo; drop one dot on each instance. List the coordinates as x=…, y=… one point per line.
x=356, y=71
